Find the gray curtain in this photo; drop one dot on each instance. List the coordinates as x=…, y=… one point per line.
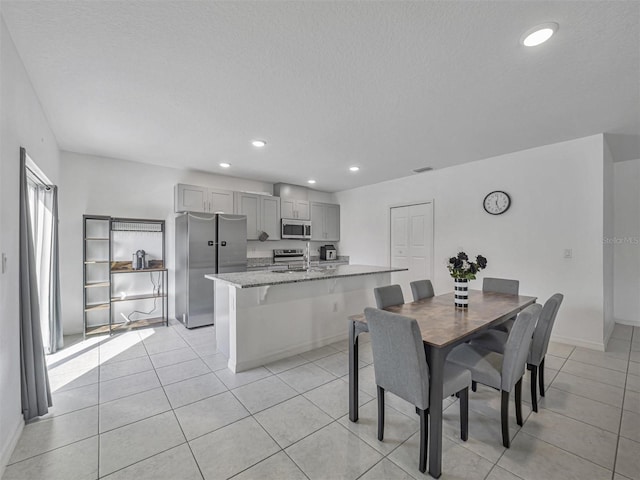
x=36, y=393
x=43, y=206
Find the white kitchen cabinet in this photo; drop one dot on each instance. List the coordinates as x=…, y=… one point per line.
x=263, y=214
x=325, y=222
x=194, y=198
x=291, y=208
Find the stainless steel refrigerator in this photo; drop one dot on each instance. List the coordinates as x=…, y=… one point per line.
x=205, y=244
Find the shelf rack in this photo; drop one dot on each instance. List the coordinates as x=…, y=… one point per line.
x=100, y=271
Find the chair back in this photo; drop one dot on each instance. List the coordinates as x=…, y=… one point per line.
x=516, y=349
x=542, y=333
x=421, y=289
x=399, y=360
x=388, y=296
x=500, y=285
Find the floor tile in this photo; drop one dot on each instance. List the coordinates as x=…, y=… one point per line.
x=77, y=461
x=182, y=371
x=618, y=348
x=292, y=420
x=82, y=360
x=584, y=440
x=366, y=380
x=622, y=332
x=166, y=345
x=205, y=348
x=554, y=363
x=209, y=414
x=524, y=460
x=333, y=452
x=264, y=393
x=129, y=385
x=341, y=346
x=337, y=364
x=306, y=377
x=634, y=356
x=628, y=460
x=560, y=349
x=634, y=368
x=333, y=398
x=127, y=367
x=193, y=389
x=172, y=357
x=176, y=463
x=498, y=473
x=216, y=362
x=127, y=445
x=592, y=372
x=583, y=409
x=235, y=380
x=386, y=470
x=73, y=379
x=457, y=461
x=130, y=409
x=599, y=359
x=44, y=435
x=115, y=354
x=630, y=427
x=632, y=401
x=318, y=353
x=587, y=388
x=633, y=383
x=397, y=427
x=488, y=402
x=276, y=467
x=232, y=449
x=286, y=364
x=71, y=400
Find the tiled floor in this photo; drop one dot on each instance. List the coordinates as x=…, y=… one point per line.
x=161, y=405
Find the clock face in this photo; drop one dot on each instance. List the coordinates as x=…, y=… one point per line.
x=497, y=202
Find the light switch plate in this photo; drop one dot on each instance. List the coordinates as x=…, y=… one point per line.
x=568, y=253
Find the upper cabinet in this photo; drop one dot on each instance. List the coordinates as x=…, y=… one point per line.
x=193, y=198
x=263, y=214
x=291, y=208
x=325, y=222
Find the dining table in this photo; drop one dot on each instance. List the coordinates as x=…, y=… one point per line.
x=443, y=326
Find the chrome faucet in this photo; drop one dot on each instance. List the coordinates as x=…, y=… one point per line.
x=307, y=257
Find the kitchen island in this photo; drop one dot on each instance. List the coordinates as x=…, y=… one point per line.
x=261, y=317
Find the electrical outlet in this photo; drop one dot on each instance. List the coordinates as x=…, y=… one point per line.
x=4, y=262
x=568, y=253
x=335, y=306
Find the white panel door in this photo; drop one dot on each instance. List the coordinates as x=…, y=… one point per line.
x=412, y=244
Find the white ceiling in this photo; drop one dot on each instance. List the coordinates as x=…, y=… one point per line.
x=389, y=86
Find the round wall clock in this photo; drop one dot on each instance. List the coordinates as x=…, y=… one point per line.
x=497, y=202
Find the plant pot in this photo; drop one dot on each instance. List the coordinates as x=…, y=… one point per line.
x=461, y=292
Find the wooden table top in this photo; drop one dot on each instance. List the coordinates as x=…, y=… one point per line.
x=441, y=323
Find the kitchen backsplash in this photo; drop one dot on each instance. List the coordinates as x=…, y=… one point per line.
x=267, y=261
x=257, y=249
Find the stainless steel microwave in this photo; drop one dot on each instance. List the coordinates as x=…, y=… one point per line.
x=299, y=229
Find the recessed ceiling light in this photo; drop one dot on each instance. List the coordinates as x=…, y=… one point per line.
x=354, y=168
x=258, y=143
x=539, y=34
x=311, y=181
x=225, y=165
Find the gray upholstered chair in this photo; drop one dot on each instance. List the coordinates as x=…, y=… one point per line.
x=495, y=340
x=421, y=289
x=388, y=296
x=502, y=371
x=400, y=365
x=502, y=285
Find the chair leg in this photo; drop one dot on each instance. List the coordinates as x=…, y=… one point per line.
x=504, y=414
x=534, y=390
x=519, y=401
x=380, y=413
x=424, y=436
x=464, y=414
x=474, y=386
x=541, y=377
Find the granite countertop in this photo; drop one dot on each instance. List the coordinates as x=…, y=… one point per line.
x=261, y=279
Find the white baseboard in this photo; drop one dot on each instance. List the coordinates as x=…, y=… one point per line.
x=576, y=342
x=5, y=455
x=632, y=323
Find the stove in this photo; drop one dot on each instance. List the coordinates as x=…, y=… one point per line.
x=290, y=255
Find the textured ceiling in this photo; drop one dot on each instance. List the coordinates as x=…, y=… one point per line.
x=389, y=86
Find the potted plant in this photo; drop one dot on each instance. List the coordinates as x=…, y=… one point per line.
x=462, y=270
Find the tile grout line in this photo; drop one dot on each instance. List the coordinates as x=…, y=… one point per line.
x=624, y=389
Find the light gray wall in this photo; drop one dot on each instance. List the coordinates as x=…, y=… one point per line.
x=22, y=123
x=557, y=204
x=119, y=188
x=626, y=242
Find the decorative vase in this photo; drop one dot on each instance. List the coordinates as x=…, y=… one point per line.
x=461, y=293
